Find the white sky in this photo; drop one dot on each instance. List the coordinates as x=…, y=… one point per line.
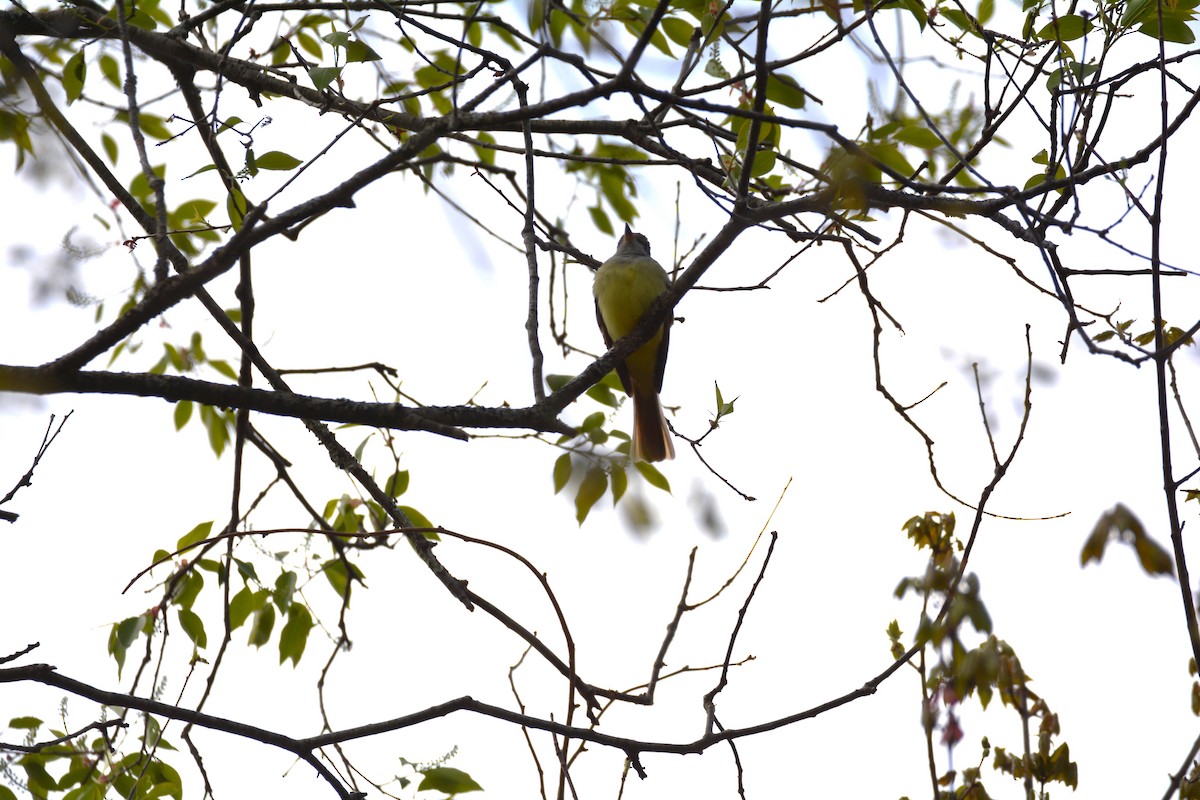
x=399, y=282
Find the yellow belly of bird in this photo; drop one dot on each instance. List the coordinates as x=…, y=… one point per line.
x=624, y=292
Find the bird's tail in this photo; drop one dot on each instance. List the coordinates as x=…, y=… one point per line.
x=651, y=437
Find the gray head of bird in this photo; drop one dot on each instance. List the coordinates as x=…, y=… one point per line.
x=632, y=243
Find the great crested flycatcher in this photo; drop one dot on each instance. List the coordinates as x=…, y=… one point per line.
x=624, y=287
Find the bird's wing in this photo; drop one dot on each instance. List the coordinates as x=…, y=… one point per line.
x=660, y=364
x=622, y=370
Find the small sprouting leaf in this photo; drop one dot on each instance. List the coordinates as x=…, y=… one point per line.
x=447, y=779
x=562, y=471
x=277, y=160
x=595, y=483
x=196, y=534
x=723, y=408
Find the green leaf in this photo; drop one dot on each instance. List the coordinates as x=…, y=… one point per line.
x=397, y=483
x=419, y=520
x=139, y=187
x=193, y=626
x=1066, y=28
x=183, y=413
x=277, y=160
x=593, y=421
x=447, y=779
x=653, y=476
x=620, y=482
x=960, y=20
x=73, y=76
x=918, y=136
x=357, y=51
x=222, y=366
x=603, y=395
x=764, y=162
x=235, y=206
x=309, y=45
x=261, y=625
x=111, y=70
x=110, y=147
x=196, y=534
x=25, y=723
x=285, y=587
x=595, y=483
x=154, y=127
x=562, y=471
x=323, y=76
x=986, y=9
x=294, y=635
x=240, y=607
x=1173, y=30
x=188, y=589
x=336, y=574
x=600, y=220
x=1122, y=524
x=677, y=30
x=784, y=90
x=890, y=156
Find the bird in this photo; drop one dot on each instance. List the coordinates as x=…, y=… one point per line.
x=624, y=287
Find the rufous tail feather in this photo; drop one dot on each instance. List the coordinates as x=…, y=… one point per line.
x=651, y=437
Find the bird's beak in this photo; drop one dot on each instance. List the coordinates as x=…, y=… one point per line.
x=628, y=236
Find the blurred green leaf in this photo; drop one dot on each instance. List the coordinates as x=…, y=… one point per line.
x=595, y=483
x=562, y=471
x=447, y=779
x=294, y=636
